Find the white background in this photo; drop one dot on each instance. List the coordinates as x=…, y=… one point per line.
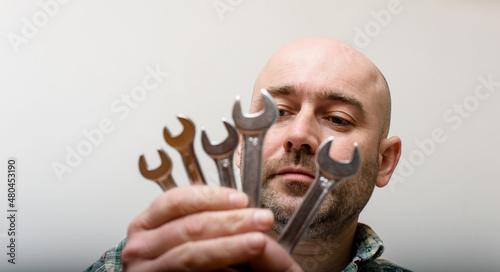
x=440, y=214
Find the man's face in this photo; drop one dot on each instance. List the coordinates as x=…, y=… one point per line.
x=319, y=95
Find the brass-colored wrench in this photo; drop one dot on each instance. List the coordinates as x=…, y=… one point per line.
x=161, y=175
x=222, y=154
x=253, y=127
x=184, y=144
x=329, y=173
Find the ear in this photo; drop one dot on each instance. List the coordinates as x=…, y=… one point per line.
x=237, y=159
x=389, y=154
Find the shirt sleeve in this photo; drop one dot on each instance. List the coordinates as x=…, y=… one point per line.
x=110, y=260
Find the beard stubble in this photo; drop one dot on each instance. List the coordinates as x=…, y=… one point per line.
x=340, y=208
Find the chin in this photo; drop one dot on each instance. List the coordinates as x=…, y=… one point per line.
x=283, y=197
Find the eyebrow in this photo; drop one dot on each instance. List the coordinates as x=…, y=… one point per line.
x=332, y=95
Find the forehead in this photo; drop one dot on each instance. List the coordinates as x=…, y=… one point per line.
x=319, y=76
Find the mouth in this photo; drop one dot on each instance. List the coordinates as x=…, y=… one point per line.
x=297, y=174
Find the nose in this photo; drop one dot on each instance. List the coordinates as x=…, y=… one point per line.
x=303, y=133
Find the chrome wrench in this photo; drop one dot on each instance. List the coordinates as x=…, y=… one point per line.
x=161, y=175
x=329, y=173
x=253, y=127
x=184, y=144
x=222, y=154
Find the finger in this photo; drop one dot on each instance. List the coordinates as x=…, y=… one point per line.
x=209, y=255
x=200, y=226
x=186, y=200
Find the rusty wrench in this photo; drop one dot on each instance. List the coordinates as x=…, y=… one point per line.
x=254, y=127
x=329, y=173
x=161, y=175
x=222, y=154
x=184, y=144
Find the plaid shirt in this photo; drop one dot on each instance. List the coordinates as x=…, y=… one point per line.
x=111, y=260
x=369, y=248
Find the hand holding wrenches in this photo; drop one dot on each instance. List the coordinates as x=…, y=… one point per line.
x=329, y=173
x=253, y=127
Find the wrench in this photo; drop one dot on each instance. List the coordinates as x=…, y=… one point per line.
x=222, y=154
x=161, y=175
x=329, y=173
x=254, y=127
x=184, y=144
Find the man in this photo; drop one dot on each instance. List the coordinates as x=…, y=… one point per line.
x=322, y=87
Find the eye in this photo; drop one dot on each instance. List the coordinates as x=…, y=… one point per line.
x=283, y=112
x=338, y=121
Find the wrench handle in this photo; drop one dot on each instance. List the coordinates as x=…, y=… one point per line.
x=192, y=166
x=226, y=172
x=304, y=214
x=166, y=183
x=252, y=167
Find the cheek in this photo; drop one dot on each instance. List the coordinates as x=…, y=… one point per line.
x=369, y=147
x=272, y=144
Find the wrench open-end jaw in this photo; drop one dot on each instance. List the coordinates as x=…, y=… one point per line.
x=162, y=174
x=222, y=154
x=329, y=173
x=184, y=144
x=253, y=127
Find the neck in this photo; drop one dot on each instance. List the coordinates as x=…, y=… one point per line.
x=328, y=254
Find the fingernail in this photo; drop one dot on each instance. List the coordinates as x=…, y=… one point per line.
x=255, y=240
x=263, y=218
x=238, y=200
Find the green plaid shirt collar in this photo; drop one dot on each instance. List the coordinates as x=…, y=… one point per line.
x=369, y=246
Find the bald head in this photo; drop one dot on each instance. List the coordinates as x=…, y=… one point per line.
x=326, y=63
